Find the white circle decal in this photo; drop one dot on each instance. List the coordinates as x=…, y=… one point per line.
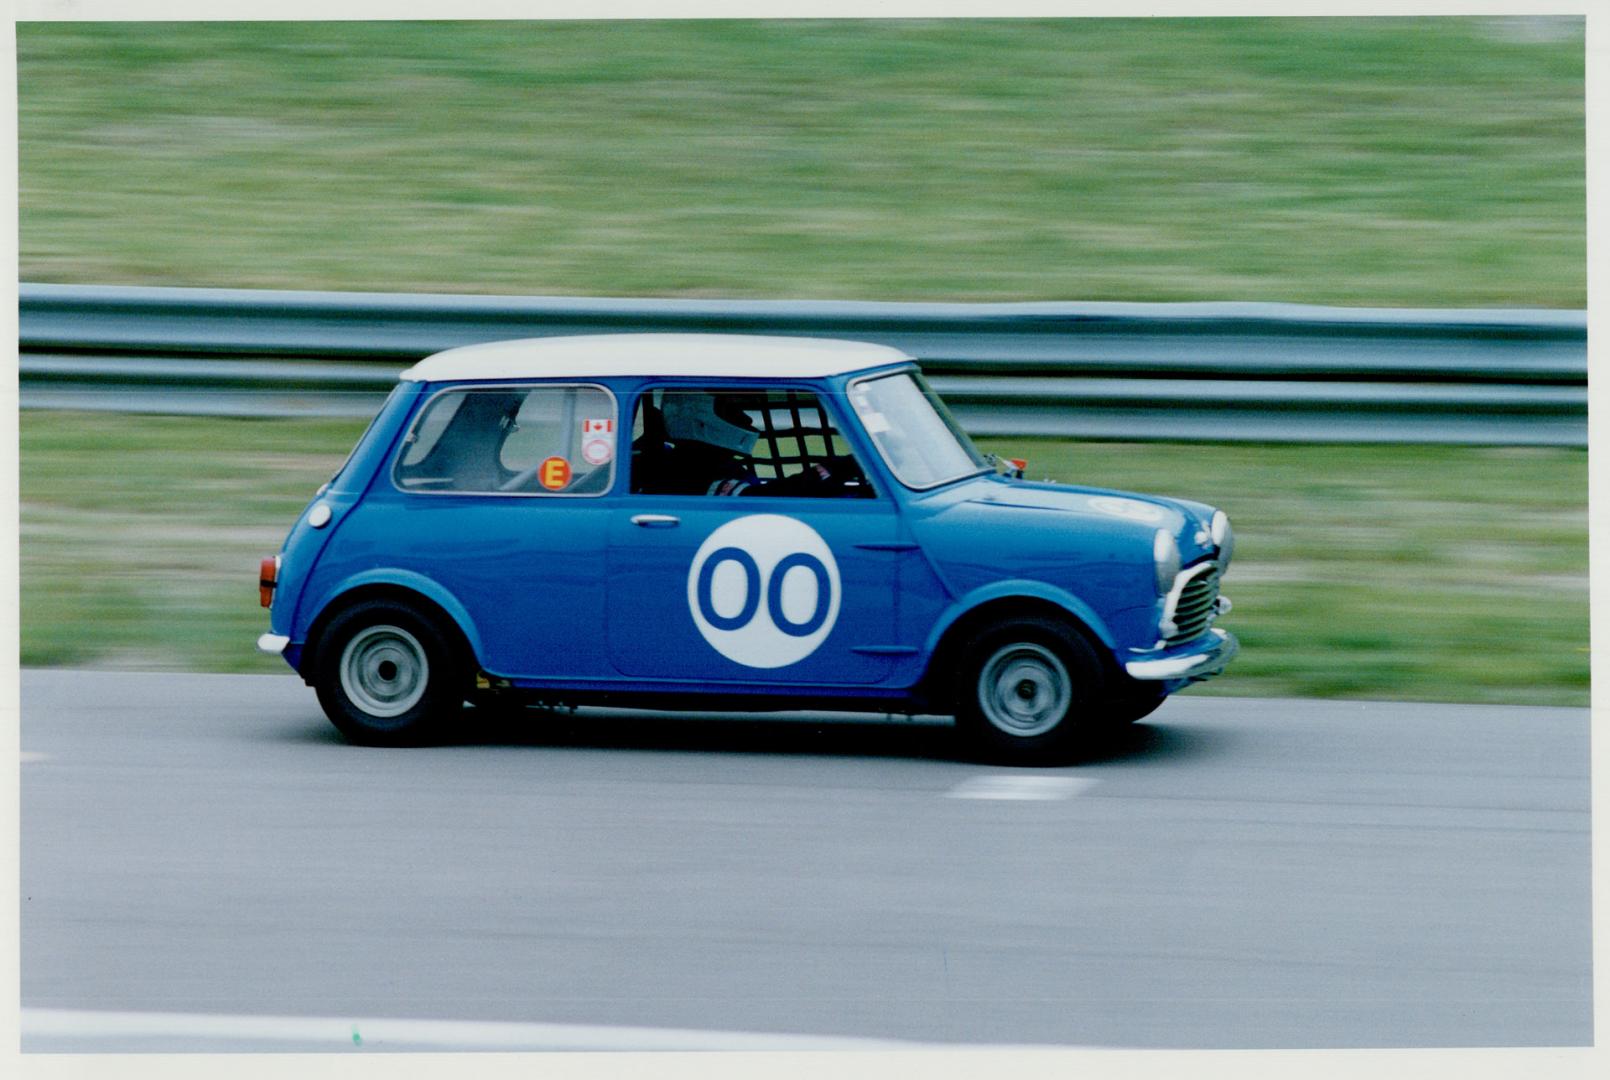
x=764, y=590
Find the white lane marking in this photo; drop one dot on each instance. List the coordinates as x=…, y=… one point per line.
x=1019, y=786
x=177, y=1029
x=28, y=758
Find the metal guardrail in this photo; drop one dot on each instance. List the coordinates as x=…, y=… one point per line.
x=1257, y=372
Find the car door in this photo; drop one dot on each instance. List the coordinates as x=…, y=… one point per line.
x=755, y=587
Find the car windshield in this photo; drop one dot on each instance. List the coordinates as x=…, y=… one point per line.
x=913, y=430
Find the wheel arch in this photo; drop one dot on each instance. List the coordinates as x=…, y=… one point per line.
x=997, y=605
x=429, y=599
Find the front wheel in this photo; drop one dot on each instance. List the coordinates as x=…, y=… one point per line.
x=386, y=675
x=1027, y=690
x=1134, y=702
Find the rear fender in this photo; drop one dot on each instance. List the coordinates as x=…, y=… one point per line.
x=395, y=580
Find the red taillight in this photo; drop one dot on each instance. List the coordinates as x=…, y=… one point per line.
x=268, y=574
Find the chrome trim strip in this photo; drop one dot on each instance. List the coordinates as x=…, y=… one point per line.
x=1196, y=665
x=273, y=644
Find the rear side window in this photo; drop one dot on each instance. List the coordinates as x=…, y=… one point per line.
x=511, y=440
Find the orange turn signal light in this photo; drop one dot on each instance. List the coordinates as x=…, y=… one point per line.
x=268, y=574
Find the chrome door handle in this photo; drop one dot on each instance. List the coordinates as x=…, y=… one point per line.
x=656, y=521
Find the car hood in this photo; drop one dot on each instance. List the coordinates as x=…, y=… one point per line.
x=1155, y=510
x=1189, y=522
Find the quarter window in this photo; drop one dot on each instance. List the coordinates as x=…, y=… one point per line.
x=543, y=440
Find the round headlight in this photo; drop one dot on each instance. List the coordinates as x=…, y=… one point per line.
x=1223, y=537
x=1166, y=556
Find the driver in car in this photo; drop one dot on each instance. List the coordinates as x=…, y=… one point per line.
x=707, y=450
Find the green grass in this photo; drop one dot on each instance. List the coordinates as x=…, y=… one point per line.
x=1430, y=573
x=1435, y=162
x=1390, y=162
x=139, y=548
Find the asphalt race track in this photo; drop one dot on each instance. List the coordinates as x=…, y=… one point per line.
x=205, y=865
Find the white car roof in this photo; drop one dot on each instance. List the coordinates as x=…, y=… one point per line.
x=695, y=355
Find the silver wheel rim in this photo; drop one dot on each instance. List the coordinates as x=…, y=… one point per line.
x=1024, y=690
x=384, y=670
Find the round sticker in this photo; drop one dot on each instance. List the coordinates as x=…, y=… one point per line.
x=764, y=590
x=598, y=451
x=554, y=473
x=1133, y=509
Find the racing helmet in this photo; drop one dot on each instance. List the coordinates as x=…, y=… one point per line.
x=692, y=417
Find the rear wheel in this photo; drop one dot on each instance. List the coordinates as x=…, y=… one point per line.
x=387, y=675
x=1027, y=690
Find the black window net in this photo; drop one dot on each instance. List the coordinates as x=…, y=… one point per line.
x=794, y=433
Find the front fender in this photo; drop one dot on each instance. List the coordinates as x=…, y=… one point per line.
x=392, y=577
x=1018, y=589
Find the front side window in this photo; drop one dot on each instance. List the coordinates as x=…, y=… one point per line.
x=694, y=441
x=512, y=440
x=913, y=430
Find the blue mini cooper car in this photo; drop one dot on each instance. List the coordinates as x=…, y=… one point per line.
x=728, y=522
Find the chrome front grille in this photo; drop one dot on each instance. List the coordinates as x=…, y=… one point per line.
x=1192, y=602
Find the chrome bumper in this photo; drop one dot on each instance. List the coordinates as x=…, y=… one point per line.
x=273, y=644
x=1197, y=664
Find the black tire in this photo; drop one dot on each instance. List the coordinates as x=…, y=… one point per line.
x=387, y=675
x=1028, y=691
x=1133, y=702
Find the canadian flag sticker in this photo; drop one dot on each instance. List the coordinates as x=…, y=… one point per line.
x=597, y=441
